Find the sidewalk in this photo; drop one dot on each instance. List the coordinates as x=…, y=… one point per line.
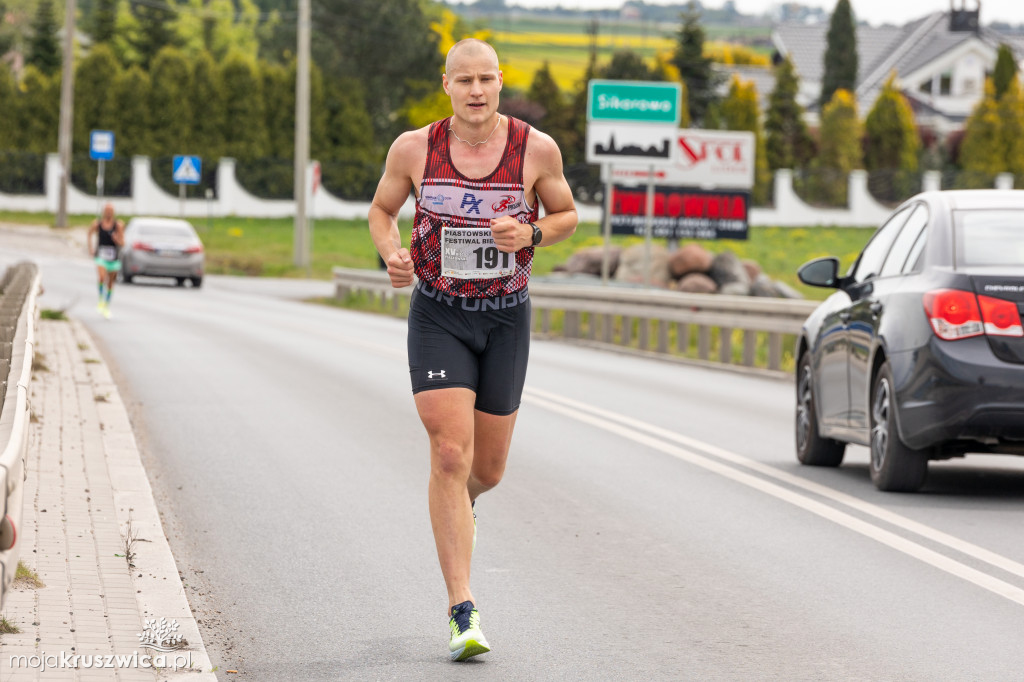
x=86, y=490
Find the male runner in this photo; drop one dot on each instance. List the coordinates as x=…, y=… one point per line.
x=107, y=256
x=478, y=178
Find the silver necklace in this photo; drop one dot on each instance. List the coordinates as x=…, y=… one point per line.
x=473, y=144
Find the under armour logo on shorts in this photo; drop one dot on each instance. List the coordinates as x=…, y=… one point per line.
x=432, y=374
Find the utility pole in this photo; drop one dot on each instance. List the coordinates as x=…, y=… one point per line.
x=67, y=104
x=301, y=239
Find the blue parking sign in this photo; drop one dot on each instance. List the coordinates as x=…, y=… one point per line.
x=188, y=170
x=101, y=145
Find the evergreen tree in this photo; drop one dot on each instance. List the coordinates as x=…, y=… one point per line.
x=170, y=111
x=208, y=120
x=388, y=45
x=695, y=69
x=1011, y=129
x=155, y=20
x=840, y=149
x=740, y=111
x=37, y=108
x=627, y=65
x=43, y=49
x=557, y=120
x=1005, y=70
x=7, y=33
x=245, y=132
x=279, y=109
x=95, y=105
x=7, y=108
x=981, y=153
x=104, y=21
x=788, y=144
x=351, y=166
x=892, y=141
x=841, y=53
x=131, y=99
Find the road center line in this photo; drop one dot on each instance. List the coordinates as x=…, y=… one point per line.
x=635, y=431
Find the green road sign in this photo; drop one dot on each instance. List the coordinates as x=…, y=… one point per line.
x=634, y=102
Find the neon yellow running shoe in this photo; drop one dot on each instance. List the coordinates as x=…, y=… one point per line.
x=106, y=310
x=100, y=307
x=467, y=639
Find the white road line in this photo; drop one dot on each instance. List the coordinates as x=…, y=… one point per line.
x=605, y=420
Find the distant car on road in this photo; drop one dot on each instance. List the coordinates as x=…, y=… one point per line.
x=919, y=354
x=162, y=247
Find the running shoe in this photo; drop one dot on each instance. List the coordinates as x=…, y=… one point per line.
x=100, y=307
x=106, y=311
x=467, y=639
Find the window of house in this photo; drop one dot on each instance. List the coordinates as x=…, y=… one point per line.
x=926, y=87
x=946, y=83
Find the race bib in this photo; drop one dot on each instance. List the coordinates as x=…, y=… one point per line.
x=108, y=253
x=470, y=253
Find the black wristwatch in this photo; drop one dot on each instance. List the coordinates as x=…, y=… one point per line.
x=537, y=235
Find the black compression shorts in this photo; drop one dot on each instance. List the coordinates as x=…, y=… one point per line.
x=482, y=344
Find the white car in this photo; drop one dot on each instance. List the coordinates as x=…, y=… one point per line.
x=162, y=247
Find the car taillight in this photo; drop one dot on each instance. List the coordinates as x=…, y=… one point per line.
x=953, y=314
x=194, y=249
x=1001, y=317
x=142, y=246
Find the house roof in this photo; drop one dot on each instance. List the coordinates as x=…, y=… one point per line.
x=882, y=50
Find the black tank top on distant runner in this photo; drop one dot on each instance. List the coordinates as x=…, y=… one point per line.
x=106, y=238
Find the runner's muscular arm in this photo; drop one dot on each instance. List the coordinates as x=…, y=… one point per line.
x=559, y=221
x=93, y=227
x=392, y=192
x=118, y=232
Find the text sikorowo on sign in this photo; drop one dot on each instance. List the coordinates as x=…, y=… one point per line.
x=681, y=213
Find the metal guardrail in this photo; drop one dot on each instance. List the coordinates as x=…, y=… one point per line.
x=18, y=315
x=745, y=333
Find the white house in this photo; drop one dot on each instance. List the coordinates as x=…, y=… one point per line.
x=940, y=62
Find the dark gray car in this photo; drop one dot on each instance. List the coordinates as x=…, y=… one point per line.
x=919, y=354
x=162, y=247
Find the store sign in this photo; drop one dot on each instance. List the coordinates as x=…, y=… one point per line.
x=702, y=158
x=681, y=213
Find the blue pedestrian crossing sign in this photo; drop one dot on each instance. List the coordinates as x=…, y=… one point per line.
x=188, y=170
x=101, y=145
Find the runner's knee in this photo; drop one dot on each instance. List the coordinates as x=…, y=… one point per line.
x=451, y=459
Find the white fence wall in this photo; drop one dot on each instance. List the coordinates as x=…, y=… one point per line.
x=232, y=199
x=147, y=198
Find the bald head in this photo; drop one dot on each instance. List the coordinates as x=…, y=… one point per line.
x=470, y=48
x=108, y=211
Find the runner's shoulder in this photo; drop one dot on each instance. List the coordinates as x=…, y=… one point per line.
x=409, y=149
x=542, y=148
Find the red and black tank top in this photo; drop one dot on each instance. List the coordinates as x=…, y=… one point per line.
x=450, y=199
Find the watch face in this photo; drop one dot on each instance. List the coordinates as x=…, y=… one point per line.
x=537, y=235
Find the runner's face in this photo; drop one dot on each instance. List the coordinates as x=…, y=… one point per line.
x=473, y=84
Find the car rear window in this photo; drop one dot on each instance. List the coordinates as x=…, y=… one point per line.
x=993, y=237
x=164, y=231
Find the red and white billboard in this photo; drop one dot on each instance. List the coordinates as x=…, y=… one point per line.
x=701, y=158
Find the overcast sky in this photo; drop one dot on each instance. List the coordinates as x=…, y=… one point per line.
x=872, y=11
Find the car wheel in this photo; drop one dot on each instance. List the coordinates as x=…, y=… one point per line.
x=126, y=278
x=811, y=448
x=894, y=466
x=197, y=282
x=181, y=281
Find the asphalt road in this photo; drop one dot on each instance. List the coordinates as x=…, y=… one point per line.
x=653, y=522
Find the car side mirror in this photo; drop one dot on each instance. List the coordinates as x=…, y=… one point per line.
x=820, y=272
